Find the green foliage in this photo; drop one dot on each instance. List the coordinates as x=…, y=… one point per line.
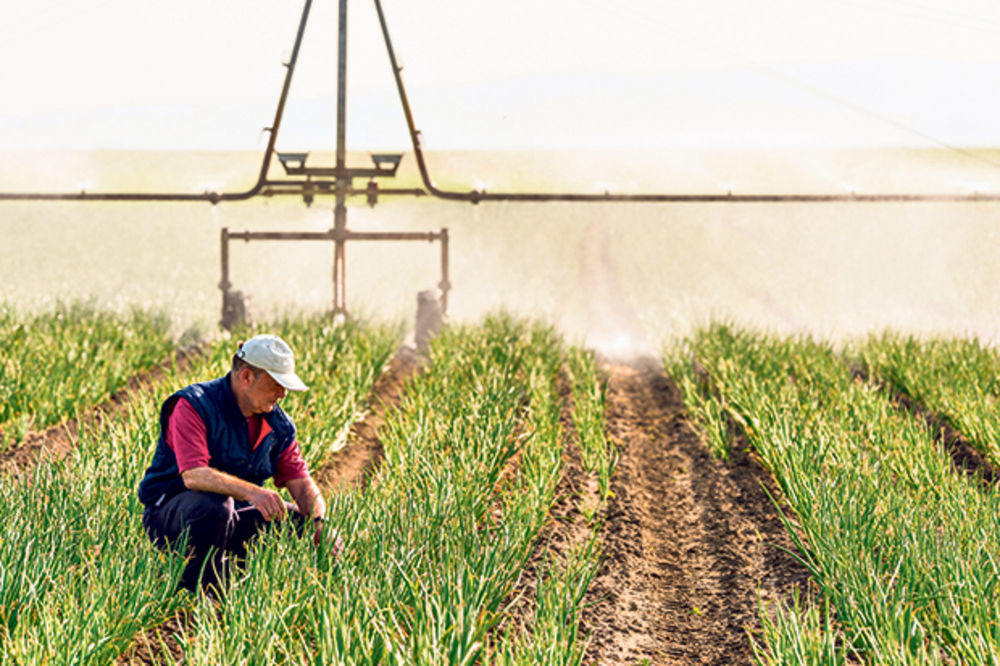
x=435, y=545
x=553, y=636
x=68, y=359
x=800, y=633
x=905, y=550
x=437, y=542
x=550, y=635
x=78, y=577
x=589, y=406
x=956, y=379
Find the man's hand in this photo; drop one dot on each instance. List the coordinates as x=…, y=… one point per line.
x=207, y=479
x=307, y=497
x=269, y=503
x=336, y=542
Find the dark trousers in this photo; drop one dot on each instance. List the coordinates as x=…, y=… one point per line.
x=218, y=530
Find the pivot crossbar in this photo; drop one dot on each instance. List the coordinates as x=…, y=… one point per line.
x=338, y=237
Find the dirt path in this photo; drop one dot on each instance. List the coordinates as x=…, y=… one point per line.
x=688, y=539
x=354, y=464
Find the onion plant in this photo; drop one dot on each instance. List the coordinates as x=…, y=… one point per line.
x=78, y=578
x=436, y=543
x=550, y=632
x=905, y=550
x=799, y=632
x=589, y=406
x=84, y=580
x=958, y=379
x=61, y=361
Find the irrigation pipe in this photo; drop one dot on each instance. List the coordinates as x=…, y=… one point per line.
x=266, y=187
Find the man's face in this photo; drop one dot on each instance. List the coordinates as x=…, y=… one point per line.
x=262, y=392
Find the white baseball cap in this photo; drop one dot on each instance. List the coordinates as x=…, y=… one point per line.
x=273, y=355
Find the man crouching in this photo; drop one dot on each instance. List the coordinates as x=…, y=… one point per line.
x=219, y=442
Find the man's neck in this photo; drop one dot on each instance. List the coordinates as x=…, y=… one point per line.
x=240, y=398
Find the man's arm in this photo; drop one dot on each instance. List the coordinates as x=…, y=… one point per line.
x=310, y=501
x=187, y=437
x=307, y=497
x=208, y=479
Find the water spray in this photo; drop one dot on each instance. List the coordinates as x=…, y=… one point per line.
x=311, y=182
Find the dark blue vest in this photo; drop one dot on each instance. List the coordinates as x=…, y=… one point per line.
x=229, y=445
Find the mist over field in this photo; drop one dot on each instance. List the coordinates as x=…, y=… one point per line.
x=618, y=276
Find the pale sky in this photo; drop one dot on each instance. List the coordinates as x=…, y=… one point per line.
x=190, y=75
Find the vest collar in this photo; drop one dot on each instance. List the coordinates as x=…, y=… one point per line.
x=232, y=407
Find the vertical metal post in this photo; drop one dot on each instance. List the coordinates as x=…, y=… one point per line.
x=340, y=211
x=224, y=283
x=342, y=85
x=445, y=284
x=339, y=258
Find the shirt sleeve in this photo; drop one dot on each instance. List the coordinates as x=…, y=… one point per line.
x=291, y=465
x=187, y=437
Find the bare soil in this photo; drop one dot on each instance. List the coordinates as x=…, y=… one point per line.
x=56, y=442
x=355, y=464
x=689, y=540
x=149, y=645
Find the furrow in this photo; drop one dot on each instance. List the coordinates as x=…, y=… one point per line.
x=689, y=540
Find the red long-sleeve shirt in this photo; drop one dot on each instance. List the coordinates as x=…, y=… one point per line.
x=187, y=437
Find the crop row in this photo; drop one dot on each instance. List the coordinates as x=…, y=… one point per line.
x=905, y=553
x=78, y=579
x=435, y=545
x=70, y=358
x=957, y=379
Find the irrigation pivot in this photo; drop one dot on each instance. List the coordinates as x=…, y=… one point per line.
x=301, y=180
x=476, y=196
x=294, y=164
x=310, y=182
